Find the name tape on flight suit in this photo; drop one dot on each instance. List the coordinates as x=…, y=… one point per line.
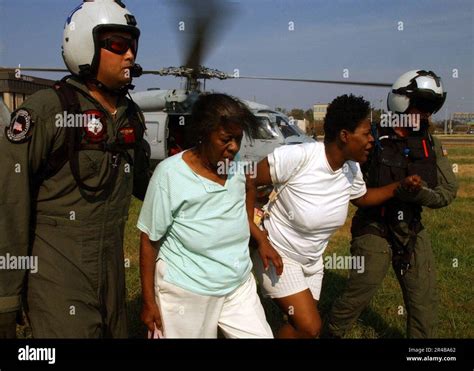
x=128, y=135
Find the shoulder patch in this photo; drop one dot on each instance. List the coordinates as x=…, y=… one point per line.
x=444, y=150
x=19, y=130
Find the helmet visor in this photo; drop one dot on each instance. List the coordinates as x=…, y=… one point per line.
x=427, y=101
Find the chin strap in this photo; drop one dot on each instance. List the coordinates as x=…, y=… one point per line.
x=135, y=71
x=119, y=92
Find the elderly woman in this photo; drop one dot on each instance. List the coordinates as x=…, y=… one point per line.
x=316, y=181
x=194, y=257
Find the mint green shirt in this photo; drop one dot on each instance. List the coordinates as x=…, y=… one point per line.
x=203, y=227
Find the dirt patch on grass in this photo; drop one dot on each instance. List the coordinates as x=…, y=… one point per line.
x=466, y=190
x=465, y=170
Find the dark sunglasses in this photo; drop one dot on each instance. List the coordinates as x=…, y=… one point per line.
x=119, y=45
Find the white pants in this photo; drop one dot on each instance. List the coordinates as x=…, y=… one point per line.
x=296, y=277
x=185, y=314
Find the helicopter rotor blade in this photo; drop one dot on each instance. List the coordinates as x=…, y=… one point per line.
x=34, y=69
x=153, y=72
x=202, y=21
x=337, y=82
x=160, y=72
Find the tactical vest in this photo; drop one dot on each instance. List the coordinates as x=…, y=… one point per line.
x=76, y=140
x=393, y=159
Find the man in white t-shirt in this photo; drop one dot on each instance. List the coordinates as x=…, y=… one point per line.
x=315, y=183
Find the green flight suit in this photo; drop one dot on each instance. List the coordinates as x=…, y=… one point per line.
x=418, y=283
x=78, y=290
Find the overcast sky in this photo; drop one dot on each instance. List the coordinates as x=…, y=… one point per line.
x=376, y=40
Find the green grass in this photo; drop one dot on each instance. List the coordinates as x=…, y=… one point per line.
x=132, y=249
x=452, y=237
x=461, y=150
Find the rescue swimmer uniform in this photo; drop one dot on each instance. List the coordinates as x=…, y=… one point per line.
x=68, y=207
x=393, y=232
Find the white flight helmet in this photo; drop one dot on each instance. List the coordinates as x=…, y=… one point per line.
x=417, y=88
x=80, y=41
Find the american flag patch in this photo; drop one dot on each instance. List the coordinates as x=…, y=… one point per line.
x=19, y=130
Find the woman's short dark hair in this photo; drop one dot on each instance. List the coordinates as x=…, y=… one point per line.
x=211, y=111
x=344, y=112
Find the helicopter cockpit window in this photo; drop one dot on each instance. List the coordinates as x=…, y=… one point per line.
x=298, y=129
x=286, y=128
x=265, y=129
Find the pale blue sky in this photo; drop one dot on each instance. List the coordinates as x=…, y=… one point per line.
x=329, y=36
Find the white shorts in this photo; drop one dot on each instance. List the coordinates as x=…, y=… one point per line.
x=296, y=277
x=185, y=314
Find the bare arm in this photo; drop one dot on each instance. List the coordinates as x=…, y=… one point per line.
x=263, y=173
x=150, y=314
x=250, y=199
x=377, y=196
x=265, y=249
x=262, y=178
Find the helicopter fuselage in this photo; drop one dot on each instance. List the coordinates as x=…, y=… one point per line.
x=167, y=114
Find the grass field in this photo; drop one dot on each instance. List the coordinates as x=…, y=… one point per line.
x=452, y=237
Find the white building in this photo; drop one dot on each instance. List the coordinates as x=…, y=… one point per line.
x=319, y=111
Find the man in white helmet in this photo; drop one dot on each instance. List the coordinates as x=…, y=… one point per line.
x=67, y=183
x=393, y=232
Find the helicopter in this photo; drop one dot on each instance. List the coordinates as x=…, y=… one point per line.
x=167, y=112
x=167, y=115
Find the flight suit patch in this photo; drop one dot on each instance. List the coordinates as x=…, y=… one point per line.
x=19, y=130
x=128, y=135
x=95, y=130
